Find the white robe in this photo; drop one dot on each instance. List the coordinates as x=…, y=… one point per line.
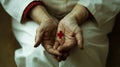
x=94, y=33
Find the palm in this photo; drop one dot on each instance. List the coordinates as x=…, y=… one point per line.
x=68, y=35
x=46, y=35
x=71, y=30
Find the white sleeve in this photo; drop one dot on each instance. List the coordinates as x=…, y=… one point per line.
x=102, y=10
x=15, y=7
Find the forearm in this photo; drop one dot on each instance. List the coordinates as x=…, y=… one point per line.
x=39, y=14
x=80, y=13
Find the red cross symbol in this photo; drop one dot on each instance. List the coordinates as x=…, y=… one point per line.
x=60, y=34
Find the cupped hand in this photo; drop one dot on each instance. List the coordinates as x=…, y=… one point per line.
x=69, y=33
x=72, y=34
x=45, y=34
x=46, y=31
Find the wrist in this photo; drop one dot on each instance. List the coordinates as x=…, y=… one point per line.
x=39, y=14
x=80, y=13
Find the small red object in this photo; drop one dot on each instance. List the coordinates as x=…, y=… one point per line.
x=60, y=34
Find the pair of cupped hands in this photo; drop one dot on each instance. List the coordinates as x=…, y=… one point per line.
x=59, y=37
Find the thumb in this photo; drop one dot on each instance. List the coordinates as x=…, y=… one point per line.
x=38, y=37
x=79, y=39
x=65, y=47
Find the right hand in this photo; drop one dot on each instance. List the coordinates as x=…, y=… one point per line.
x=46, y=32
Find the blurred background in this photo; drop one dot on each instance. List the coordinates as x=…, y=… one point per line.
x=8, y=43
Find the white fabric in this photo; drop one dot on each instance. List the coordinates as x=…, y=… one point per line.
x=95, y=39
x=103, y=11
x=15, y=7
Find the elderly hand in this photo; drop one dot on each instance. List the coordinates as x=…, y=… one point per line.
x=46, y=32
x=69, y=33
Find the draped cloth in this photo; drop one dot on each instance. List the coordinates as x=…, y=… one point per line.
x=94, y=33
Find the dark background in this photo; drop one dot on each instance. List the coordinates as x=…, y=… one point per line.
x=8, y=43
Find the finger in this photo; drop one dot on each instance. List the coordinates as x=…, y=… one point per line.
x=51, y=50
x=79, y=39
x=64, y=56
x=38, y=37
x=56, y=45
x=54, y=52
x=66, y=46
x=57, y=58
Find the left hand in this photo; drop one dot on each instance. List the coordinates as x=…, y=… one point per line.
x=69, y=33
